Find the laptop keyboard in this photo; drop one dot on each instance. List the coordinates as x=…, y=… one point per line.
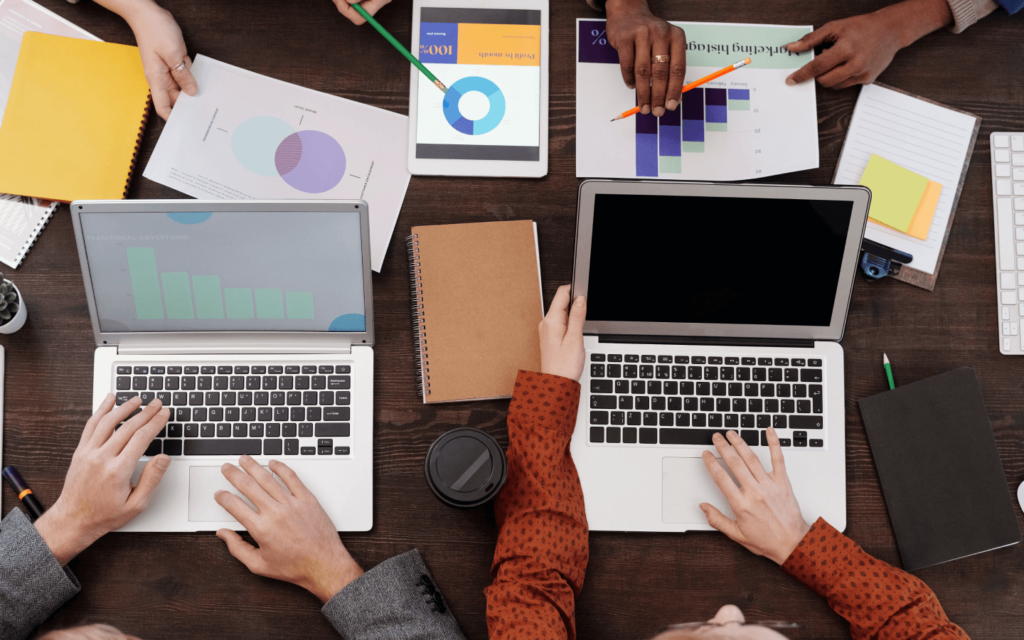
x=684, y=400
x=231, y=410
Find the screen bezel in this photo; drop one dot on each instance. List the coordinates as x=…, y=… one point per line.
x=228, y=340
x=859, y=196
x=498, y=168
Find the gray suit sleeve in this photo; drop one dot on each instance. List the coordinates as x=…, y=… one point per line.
x=32, y=583
x=395, y=599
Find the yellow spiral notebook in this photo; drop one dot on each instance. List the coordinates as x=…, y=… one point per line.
x=74, y=119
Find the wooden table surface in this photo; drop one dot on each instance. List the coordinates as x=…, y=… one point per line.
x=187, y=585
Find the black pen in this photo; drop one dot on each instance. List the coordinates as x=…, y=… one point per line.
x=13, y=478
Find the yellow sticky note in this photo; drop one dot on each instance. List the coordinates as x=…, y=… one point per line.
x=925, y=211
x=895, y=192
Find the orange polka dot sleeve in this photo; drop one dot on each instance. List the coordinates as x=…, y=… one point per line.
x=542, y=548
x=879, y=600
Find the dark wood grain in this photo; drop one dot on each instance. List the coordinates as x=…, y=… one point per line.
x=173, y=586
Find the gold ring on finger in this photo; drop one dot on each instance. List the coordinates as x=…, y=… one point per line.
x=661, y=59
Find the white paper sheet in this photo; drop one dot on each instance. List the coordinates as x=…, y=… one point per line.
x=17, y=17
x=774, y=131
x=249, y=136
x=928, y=139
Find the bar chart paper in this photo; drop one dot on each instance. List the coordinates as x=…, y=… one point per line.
x=746, y=124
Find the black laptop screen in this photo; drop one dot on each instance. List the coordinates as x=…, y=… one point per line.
x=716, y=260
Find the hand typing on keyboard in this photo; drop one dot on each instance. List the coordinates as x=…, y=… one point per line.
x=768, y=519
x=98, y=496
x=297, y=541
x=561, y=336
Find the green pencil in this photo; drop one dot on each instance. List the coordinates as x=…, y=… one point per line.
x=398, y=45
x=888, y=371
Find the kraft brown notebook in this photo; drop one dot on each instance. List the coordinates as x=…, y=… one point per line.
x=476, y=307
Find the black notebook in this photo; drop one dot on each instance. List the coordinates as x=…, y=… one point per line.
x=943, y=481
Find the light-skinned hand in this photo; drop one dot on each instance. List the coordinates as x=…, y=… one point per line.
x=768, y=519
x=638, y=35
x=863, y=46
x=98, y=496
x=162, y=48
x=561, y=336
x=297, y=541
x=370, y=6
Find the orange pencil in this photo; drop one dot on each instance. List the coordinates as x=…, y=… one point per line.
x=696, y=83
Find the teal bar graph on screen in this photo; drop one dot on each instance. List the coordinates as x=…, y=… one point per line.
x=177, y=295
x=145, y=283
x=208, y=301
x=269, y=305
x=239, y=303
x=203, y=298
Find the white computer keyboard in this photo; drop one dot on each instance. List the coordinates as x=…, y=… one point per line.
x=1008, y=200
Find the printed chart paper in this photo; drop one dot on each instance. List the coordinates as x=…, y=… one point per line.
x=247, y=136
x=746, y=124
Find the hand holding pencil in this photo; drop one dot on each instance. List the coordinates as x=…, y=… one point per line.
x=693, y=85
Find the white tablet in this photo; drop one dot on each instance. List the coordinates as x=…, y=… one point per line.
x=493, y=121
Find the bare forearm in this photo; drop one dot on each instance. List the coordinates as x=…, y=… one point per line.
x=914, y=19
x=128, y=9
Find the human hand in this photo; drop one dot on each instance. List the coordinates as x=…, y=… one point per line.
x=768, y=519
x=98, y=496
x=638, y=35
x=561, y=336
x=162, y=48
x=370, y=6
x=863, y=46
x=297, y=541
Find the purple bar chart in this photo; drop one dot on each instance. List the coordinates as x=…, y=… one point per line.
x=716, y=111
x=646, y=145
x=669, y=157
x=693, y=121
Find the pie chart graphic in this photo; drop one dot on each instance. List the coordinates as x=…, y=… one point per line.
x=309, y=161
x=474, y=127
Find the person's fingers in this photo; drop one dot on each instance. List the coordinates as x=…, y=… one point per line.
x=119, y=440
x=849, y=82
x=775, y=450
x=626, y=57
x=837, y=75
x=160, y=90
x=346, y=10
x=722, y=522
x=748, y=456
x=184, y=78
x=101, y=434
x=733, y=461
x=558, y=312
x=721, y=478
x=263, y=478
x=173, y=96
x=659, y=74
x=642, y=71
x=372, y=6
x=822, y=64
x=247, y=486
x=90, y=425
x=677, y=69
x=290, y=479
x=237, y=507
x=812, y=39
x=242, y=551
x=136, y=446
x=577, y=316
x=149, y=480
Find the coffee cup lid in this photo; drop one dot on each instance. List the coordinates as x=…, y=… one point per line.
x=465, y=467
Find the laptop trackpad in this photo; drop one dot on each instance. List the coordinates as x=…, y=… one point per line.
x=685, y=484
x=203, y=482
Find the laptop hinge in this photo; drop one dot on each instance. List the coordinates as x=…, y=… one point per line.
x=788, y=343
x=245, y=350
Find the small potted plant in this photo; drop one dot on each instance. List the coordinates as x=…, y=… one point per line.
x=13, y=311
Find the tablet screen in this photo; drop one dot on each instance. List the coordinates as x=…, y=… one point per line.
x=490, y=61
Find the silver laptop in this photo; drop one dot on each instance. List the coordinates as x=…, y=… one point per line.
x=711, y=308
x=253, y=322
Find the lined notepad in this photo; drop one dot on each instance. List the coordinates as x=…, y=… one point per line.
x=926, y=138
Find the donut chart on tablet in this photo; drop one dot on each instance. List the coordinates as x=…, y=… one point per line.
x=474, y=127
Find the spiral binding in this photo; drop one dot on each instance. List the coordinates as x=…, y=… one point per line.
x=138, y=143
x=33, y=235
x=419, y=326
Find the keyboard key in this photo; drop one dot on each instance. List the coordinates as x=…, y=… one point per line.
x=272, y=447
x=760, y=374
x=779, y=422
x=188, y=383
x=172, y=383
x=699, y=360
x=694, y=373
x=681, y=359
x=747, y=421
x=220, y=383
x=714, y=420
x=291, y=447
x=614, y=435
x=265, y=414
x=803, y=406
x=726, y=373
x=205, y=382
x=141, y=371
x=207, y=430
x=297, y=414
x=601, y=386
x=240, y=430
x=275, y=370
x=755, y=405
x=614, y=370
x=614, y=357
x=342, y=414
x=260, y=398
x=618, y=418
x=191, y=430
x=648, y=436
x=810, y=375
x=629, y=371
x=817, y=443
x=339, y=382
x=799, y=362
x=699, y=419
x=806, y=422
x=816, y=402
x=597, y=434
x=273, y=430
x=764, y=362
x=173, y=447
x=689, y=436
x=289, y=429
x=123, y=383
x=748, y=361
x=269, y=383
x=191, y=371
x=183, y=414
x=291, y=369
x=665, y=419
x=222, y=447
x=775, y=374
x=314, y=414
x=814, y=362
x=305, y=429
x=255, y=430
x=715, y=360
x=763, y=421
x=342, y=451
x=237, y=383
x=139, y=383
x=153, y=449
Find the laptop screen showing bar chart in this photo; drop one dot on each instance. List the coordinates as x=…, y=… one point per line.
x=226, y=271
